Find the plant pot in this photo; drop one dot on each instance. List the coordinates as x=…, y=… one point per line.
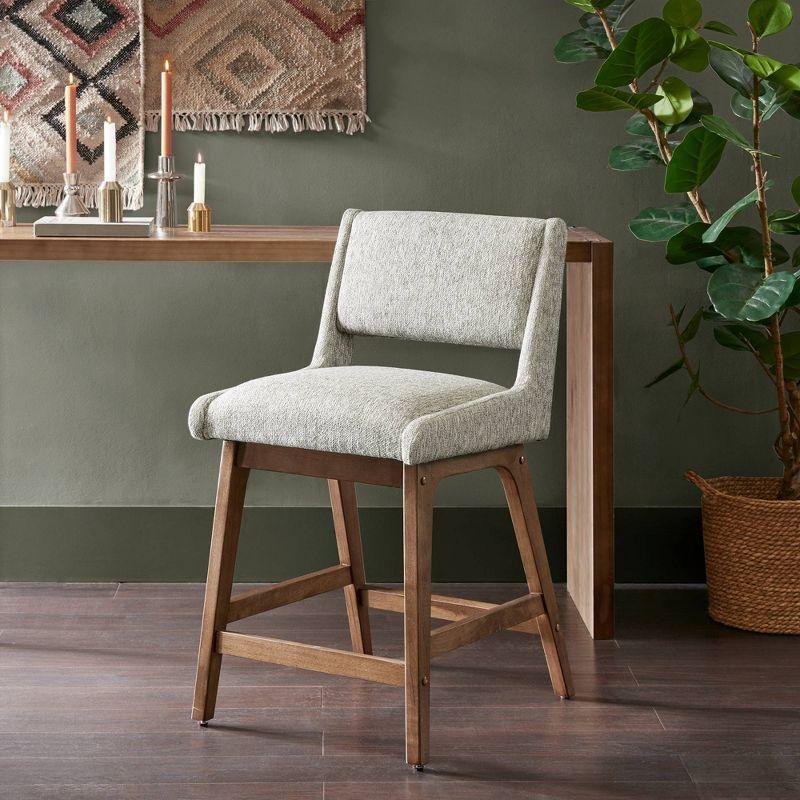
x=752, y=547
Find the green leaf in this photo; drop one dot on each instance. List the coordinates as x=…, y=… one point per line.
x=790, y=103
x=794, y=298
x=736, y=337
x=701, y=106
x=661, y=224
x=790, y=346
x=581, y=45
x=719, y=27
x=769, y=103
x=694, y=386
x=742, y=293
x=796, y=190
x=721, y=127
x=711, y=263
x=692, y=327
x=690, y=51
x=638, y=125
x=676, y=103
x=589, y=5
x=712, y=234
x=693, y=161
x=731, y=69
x=682, y=13
x=636, y=155
x=642, y=47
x=687, y=245
x=749, y=244
x=785, y=222
x=766, y=68
x=670, y=370
x=796, y=259
x=607, y=98
x=769, y=16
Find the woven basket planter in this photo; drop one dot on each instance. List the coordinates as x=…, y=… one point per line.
x=752, y=547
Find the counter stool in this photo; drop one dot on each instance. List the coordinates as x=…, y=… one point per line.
x=458, y=278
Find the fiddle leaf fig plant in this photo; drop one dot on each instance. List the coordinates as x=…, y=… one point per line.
x=746, y=255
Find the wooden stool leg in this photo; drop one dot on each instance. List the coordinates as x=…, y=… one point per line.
x=522, y=505
x=418, y=488
x=348, y=542
x=221, y=563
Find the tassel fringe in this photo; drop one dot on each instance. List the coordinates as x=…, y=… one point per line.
x=348, y=122
x=50, y=194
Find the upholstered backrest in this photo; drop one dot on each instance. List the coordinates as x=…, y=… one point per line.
x=439, y=277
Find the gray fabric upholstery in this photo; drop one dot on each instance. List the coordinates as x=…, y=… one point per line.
x=459, y=278
x=439, y=277
x=361, y=410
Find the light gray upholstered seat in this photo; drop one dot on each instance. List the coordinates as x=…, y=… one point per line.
x=459, y=278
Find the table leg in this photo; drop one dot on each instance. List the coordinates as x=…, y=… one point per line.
x=590, y=439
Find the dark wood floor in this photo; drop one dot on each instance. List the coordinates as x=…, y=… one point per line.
x=96, y=686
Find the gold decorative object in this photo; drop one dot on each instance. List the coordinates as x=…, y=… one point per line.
x=199, y=218
x=109, y=201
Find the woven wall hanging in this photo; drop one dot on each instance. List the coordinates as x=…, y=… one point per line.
x=99, y=42
x=270, y=65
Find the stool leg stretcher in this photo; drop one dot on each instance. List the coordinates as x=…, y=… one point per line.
x=469, y=621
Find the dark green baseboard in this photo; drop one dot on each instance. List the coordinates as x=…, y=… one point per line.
x=171, y=544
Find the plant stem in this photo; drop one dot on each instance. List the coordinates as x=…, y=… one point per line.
x=664, y=147
x=786, y=441
x=687, y=365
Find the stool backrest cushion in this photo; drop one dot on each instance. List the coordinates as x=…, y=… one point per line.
x=439, y=277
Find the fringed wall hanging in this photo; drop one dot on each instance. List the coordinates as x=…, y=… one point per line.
x=99, y=42
x=271, y=65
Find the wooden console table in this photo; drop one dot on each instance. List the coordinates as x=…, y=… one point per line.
x=590, y=391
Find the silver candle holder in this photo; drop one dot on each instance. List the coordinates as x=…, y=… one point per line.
x=165, y=197
x=109, y=201
x=8, y=204
x=71, y=205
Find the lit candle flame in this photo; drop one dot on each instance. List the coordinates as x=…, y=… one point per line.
x=166, y=65
x=108, y=118
x=71, y=79
x=6, y=115
x=199, y=158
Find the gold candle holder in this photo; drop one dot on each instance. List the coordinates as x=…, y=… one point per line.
x=199, y=218
x=8, y=204
x=109, y=201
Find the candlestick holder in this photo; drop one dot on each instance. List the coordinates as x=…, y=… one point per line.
x=199, y=218
x=8, y=204
x=71, y=205
x=109, y=201
x=165, y=197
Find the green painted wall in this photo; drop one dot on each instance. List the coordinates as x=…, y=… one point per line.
x=100, y=362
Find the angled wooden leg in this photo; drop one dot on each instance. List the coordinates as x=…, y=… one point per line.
x=221, y=563
x=418, y=489
x=522, y=505
x=348, y=542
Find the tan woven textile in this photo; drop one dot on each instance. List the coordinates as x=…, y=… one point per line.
x=271, y=65
x=99, y=41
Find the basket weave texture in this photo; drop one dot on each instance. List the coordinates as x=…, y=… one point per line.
x=752, y=548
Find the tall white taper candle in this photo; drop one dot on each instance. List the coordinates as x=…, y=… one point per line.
x=199, y=180
x=109, y=150
x=5, y=149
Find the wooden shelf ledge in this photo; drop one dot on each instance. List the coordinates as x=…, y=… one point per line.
x=224, y=243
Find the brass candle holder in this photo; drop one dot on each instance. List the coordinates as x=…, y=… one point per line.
x=199, y=218
x=8, y=204
x=109, y=201
x=71, y=205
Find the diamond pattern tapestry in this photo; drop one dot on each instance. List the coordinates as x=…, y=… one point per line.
x=258, y=64
x=99, y=42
